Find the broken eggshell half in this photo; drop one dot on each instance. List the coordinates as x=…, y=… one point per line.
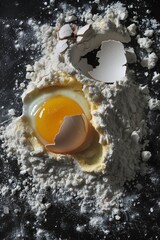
x=112, y=58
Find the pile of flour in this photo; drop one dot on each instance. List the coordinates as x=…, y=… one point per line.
x=122, y=111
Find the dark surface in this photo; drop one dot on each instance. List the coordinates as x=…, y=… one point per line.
x=22, y=225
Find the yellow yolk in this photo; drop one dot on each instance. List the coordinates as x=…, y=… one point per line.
x=50, y=116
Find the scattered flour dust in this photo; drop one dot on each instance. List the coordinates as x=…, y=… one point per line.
x=122, y=111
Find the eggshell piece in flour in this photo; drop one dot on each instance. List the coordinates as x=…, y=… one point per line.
x=112, y=61
x=65, y=31
x=61, y=46
x=83, y=30
x=71, y=136
x=71, y=18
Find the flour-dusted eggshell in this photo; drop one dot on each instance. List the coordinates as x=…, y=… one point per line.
x=61, y=46
x=71, y=136
x=112, y=62
x=65, y=31
x=70, y=19
x=84, y=33
x=81, y=31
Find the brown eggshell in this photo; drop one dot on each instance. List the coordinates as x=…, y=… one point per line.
x=72, y=135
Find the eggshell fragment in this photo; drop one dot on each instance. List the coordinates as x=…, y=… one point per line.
x=72, y=135
x=65, y=31
x=83, y=30
x=112, y=62
x=71, y=18
x=61, y=46
x=84, y=33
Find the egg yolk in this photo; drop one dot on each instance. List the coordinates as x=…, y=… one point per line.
x=50, y=116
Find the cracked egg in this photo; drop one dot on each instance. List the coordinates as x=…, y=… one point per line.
x=62, y=122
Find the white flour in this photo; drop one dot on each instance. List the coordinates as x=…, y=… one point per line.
x=122, y=110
